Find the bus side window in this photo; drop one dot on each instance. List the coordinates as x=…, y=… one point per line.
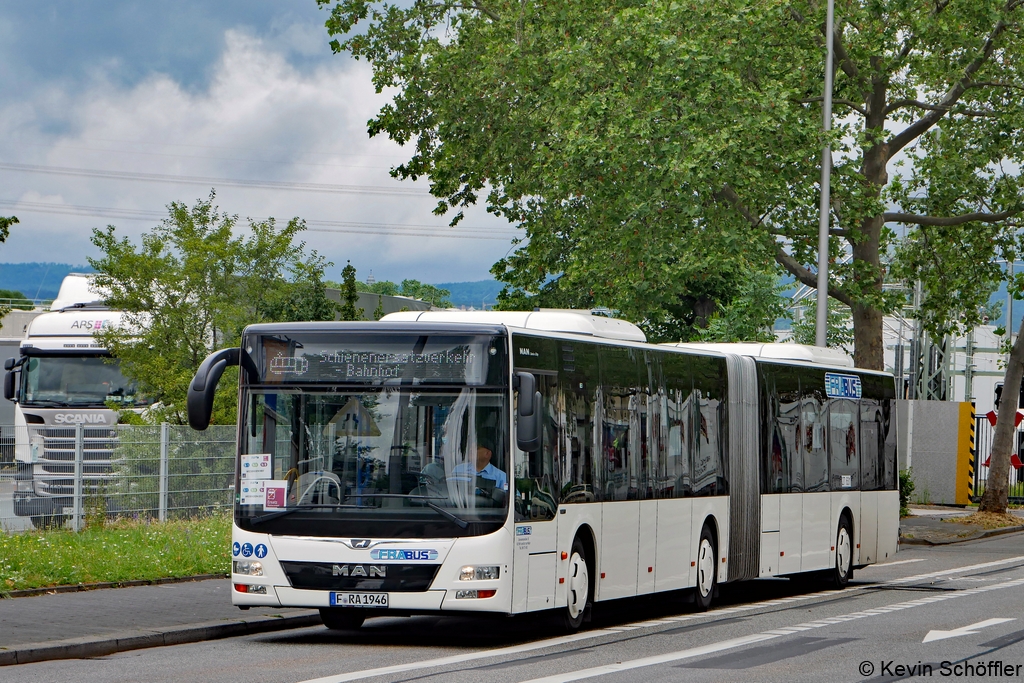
x=813, y=428
x=844, y=444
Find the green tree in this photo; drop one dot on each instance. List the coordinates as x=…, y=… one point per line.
x=378, y=312
x=958, y=269
x=16, y=300
x=191, y=286
x=657, y=150
x=349, y=294
x=5, y=231
x=750, y=315
x=412, y=288
x=839, y=330
x=5, y=226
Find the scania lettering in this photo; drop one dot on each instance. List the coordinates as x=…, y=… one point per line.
x=62, y=378
x=542, y=461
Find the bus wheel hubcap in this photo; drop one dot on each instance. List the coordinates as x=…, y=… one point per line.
x=843, y=554
x=705, y=567
x=579, y=585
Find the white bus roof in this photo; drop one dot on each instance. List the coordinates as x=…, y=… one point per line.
x=793, y=352
x=548, y=320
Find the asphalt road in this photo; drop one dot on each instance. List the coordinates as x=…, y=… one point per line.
x=769, y=630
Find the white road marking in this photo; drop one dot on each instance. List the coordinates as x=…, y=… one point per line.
x=892, y=564
x=657, y=659
x=589, y=635
x=947, y=572
x=468, y=657
x=963, y=630
x=756, y=638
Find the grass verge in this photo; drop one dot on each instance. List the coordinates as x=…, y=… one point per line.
x=119, y=551
x=987, y=520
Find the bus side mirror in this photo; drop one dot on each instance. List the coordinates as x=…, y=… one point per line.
x=10, y=363
x=9, y=385
x=527, y=413
x=200, y=391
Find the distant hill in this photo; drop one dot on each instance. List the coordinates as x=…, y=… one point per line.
x=479, y=294
x=37, y=280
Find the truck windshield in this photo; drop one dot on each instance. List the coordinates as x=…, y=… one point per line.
x=374, y=462
x=76, y=381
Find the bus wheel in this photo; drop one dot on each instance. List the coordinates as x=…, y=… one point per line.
x=340, y=619
x=707, y=570
x=578, y=588
x=843, y=571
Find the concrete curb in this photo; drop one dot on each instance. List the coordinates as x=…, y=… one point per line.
x=973, y=537
x=93, y=646
x=50, y=590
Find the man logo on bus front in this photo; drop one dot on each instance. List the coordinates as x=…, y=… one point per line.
x=360, y=543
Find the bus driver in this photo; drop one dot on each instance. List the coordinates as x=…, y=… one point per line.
x=483, y=469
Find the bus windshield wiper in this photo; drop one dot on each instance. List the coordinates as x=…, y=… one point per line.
x=296, y=508
x=458, y=521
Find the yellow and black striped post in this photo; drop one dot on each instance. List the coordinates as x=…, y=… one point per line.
x=966, y=457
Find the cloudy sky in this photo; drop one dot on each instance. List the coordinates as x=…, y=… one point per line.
x=109, y=110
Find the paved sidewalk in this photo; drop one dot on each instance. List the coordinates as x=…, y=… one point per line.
x=98, y=622
x=926, y=526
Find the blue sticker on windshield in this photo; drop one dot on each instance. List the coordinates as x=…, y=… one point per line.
x=236, y=548
x=401, y=554
x=842, y=386
x=246, y=549
x=261, y=551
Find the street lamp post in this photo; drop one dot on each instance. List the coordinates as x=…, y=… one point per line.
x=826, y=172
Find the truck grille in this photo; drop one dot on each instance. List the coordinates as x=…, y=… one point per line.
x=54, y=456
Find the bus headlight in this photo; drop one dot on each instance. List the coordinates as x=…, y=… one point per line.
x=470, y=573
x=474, y=594
x=248, y=568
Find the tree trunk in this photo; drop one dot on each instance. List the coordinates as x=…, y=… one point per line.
x=868, y=347
x=998, y=483
x=868, y=352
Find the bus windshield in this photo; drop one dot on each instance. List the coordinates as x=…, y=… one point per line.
x=392, y=461
x=86, y=381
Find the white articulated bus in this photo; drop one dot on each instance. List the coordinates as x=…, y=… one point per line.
x=517, y=462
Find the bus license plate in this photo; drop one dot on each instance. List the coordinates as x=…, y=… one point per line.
x=359, y=599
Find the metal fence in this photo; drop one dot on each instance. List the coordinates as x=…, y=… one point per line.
x=64, y=476
x=983, y=432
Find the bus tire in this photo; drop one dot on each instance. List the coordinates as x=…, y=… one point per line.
x=578, y=594
x=842, y=572
x=707, y=570
x=341, y=619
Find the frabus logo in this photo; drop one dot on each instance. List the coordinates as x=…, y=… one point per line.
x=79, y=418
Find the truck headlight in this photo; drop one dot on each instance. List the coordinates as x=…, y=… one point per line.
x=470, y=573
